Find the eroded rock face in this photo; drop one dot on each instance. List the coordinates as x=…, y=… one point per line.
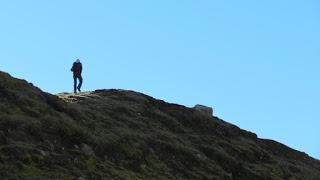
x=204, y=109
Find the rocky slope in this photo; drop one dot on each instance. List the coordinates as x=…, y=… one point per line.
x=117, y=134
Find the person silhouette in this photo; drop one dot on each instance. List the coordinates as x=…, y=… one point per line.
x=77, y=71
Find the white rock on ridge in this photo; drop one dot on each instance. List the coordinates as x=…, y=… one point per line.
x=204, y=109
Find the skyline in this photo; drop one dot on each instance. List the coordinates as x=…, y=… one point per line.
x=255, y=63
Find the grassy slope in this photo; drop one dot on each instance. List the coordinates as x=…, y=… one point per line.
x=127, y=135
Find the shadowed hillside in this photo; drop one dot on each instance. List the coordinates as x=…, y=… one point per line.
x=117, y=134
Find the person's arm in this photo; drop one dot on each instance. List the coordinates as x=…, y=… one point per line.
x=80, y=68
x=72, y=68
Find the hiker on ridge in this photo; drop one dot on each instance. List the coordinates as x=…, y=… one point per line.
x=77, y=71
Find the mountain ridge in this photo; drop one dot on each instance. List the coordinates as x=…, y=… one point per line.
x=119, y=134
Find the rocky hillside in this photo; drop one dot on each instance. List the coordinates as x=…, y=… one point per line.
x=117, y=134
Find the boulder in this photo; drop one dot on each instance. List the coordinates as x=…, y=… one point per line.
x=204, y=109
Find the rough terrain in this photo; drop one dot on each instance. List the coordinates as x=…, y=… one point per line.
x=118, y=134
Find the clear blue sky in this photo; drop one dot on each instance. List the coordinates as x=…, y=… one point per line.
x=256, y=62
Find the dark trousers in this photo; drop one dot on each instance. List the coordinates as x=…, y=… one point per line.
x=75, y=78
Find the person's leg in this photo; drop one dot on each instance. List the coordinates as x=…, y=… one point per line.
x=80, y=83
x=74, y=84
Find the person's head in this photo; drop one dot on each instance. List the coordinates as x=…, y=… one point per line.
x=78, y=60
